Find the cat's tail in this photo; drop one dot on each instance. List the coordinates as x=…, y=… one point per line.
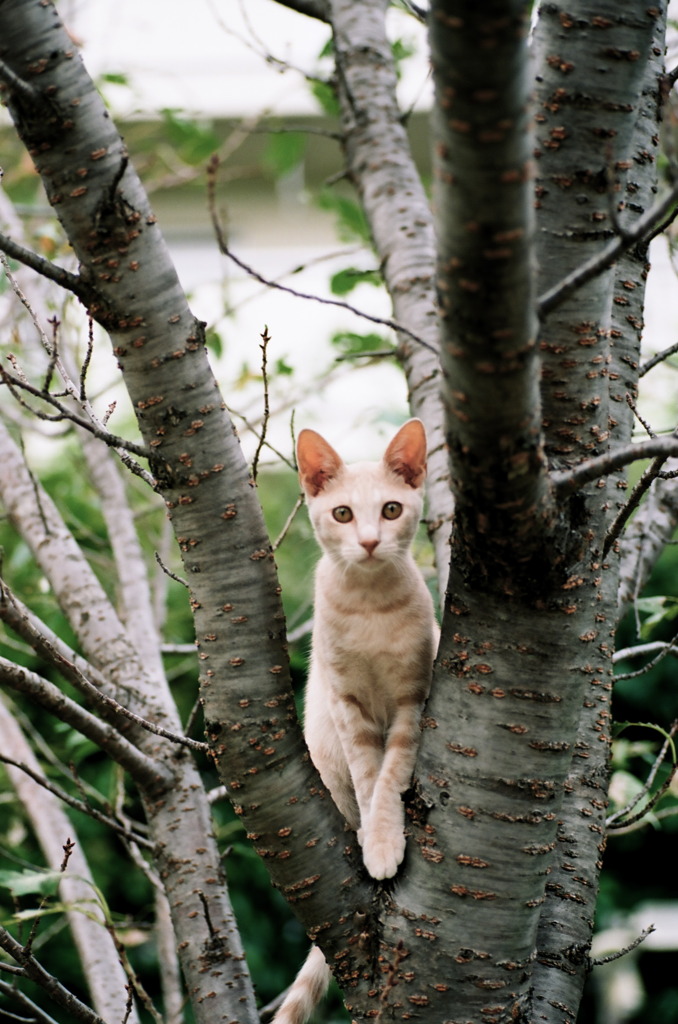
x=306, y=991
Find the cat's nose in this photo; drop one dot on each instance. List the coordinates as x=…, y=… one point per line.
x=369, y=545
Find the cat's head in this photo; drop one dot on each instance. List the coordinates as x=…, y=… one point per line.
x=365, y=514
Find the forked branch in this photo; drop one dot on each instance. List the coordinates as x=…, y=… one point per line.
x=567, y=481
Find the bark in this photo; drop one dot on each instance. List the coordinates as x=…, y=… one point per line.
x=596, y=161
x=508, y=796
x=585, y=127
x=484, y=208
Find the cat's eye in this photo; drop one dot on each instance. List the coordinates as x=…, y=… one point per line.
x=342, y=514
x=391, y=510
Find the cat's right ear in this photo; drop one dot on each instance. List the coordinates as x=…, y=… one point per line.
x=317, y=460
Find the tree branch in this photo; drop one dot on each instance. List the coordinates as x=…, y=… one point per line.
x=381, y=165
x=34, y=1013
x=147, y=772
x=600, y=960
x=59, y=655
x=31, y=968
x=484, y=200
x=16, y=383
x=566, y=481
x=72, y=282
x=647, y=479
x=93, y=423
x=659, y=357
x=642, y=230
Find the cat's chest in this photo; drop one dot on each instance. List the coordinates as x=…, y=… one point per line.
x=375, y=653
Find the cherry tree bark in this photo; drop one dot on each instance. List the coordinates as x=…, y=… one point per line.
x=491, y=916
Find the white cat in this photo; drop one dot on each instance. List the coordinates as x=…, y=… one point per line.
x=374, y=640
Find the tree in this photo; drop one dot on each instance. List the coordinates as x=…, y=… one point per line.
x=519, y=339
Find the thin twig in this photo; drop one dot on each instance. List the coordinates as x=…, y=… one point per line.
x=28, y=945
x=647, y=478
x=144, y=769
x=223, y=247
x=635, y=826
x=88, y=357
x=168, y=572
x=377, y=353
x=265, y=338
x=288, y=522
x=132, y=976
x=92, y=423
x=666, y=649
x=257, y=434
x=112, y=440
x=55, y=322
x=634, y=409
x=645, y=790
x=72, y=282
x=642, y=649
x=35, y=1014
x=78, y=805
x=194, y=712
x=658, y=358
x=597, y=961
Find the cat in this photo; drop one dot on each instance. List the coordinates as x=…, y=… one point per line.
x=374, y=640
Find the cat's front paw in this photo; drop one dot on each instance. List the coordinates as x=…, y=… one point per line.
x=382, y=854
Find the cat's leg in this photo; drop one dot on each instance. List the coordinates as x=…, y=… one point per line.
x=384, y=837
x=327, y=751
x=363, y=746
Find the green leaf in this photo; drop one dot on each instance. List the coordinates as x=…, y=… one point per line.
x=284, y=152
x=661, y=609
x=22, y=883
x=344, y=281
x=283, y=368
x=401, y=50
x=619, y=727
x=351, y=222
x=326, y=97
x=214, y=342
x=194, y=141
x=328, y=48
x=349, y=343
x=115, y=77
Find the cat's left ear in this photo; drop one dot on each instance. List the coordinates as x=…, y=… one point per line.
x=406, y=454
